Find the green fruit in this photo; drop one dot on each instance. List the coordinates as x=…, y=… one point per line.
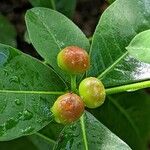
x=92, y=92
x=67, y=108
x=73, y=60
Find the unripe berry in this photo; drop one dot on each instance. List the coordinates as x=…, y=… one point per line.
x=92, y=92
x=73, y=60
x=67, y=108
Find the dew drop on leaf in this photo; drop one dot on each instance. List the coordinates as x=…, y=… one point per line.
x=3, y=59
x=24, y=84
x=2, y=130
x=6, y=72
x=27, y=115
x=3, y=103
x=14, y=79
x=10, y=123
x=17, y=102
x=27, y=130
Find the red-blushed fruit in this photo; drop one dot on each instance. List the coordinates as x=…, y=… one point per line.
x=68, y=108
x=92, y=92
x=73, y=60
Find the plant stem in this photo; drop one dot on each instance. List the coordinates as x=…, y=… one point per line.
x=73, y=83
x=53, y=4
x=128, y=88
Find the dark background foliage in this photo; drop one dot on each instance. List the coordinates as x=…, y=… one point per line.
x=86, y=16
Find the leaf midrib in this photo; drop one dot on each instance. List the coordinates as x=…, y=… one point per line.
x=32, y=92
x=47, y=30
x=112, y=66
x=45, y=138
x=84, y=132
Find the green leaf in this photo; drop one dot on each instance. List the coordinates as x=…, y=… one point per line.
x=42, y=142
x=19, y=144
x=140, y=46
x=28, y=89
x=88, y=134
x=50, y=31
x=26, y=37
x=110, y=61
x=41, y=3
x=127, y=115
x=111, y=1
x=66, y=7
x=52, y=130
x=7, y=32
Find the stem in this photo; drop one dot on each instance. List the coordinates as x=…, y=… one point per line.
x=128, y=88
x=53, y=4
x=73, y=83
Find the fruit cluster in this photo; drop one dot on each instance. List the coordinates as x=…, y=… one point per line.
x=69, y=107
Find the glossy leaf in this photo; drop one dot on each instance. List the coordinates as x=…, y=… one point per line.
x=19, y=144
x=52, y=130
x=127, y=115
x=55, y=32
x=7, y=32
x=66, y=7
x=140, y=46
x=28, y=89
x=89, y=133
x=118, y=25
x=41, y=141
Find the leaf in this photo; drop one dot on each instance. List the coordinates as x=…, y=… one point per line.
x=28, y=89
x=52, y=130
x=66, y=7
x=41, y=3
x=50, y=31
x=42, y=142
x=26, y=37
x=7, y=32
x=140, y=46
x=19, y=144
x=119, y=24
x=89, y=133
x=111, y=1
x=127, y=115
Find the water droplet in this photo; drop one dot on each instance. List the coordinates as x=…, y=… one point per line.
x=27, y=130
x=27, y=115
x=2, y=130
x=60, y=43
x=25, y=84
x=17, y=102
x=6, y=72
x=3, y=102
x=132, y=90
x=3, y=58
x=10, y=123
x=14, y=79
